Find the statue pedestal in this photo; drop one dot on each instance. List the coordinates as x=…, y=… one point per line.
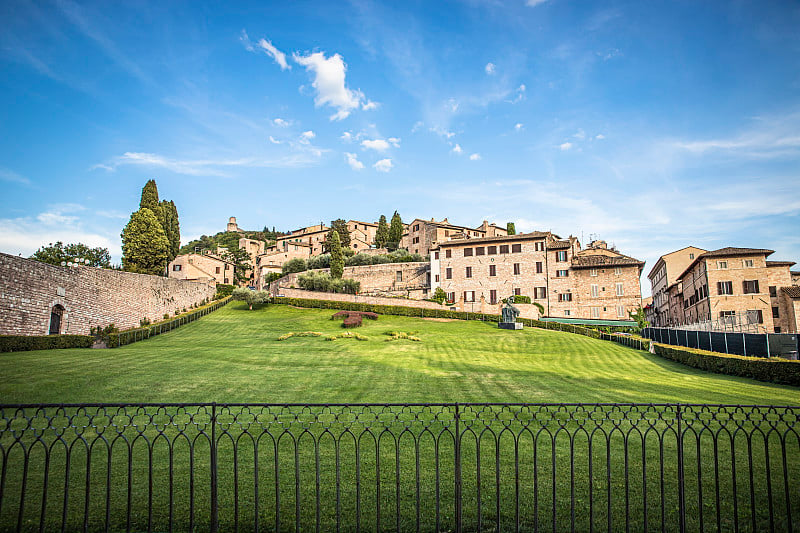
x=509, y=325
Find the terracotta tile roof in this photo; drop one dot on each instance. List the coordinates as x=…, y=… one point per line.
x=792, y=292
x=599, y=260
x=499, y=238
x=780, y=263
x=559, y=245
x=728, y=251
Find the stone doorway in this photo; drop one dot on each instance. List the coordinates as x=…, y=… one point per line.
x=56, y=315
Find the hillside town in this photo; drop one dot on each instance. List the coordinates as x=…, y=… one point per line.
x=553, y=277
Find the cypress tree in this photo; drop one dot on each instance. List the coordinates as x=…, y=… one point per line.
x=337, y=256
x=145, y=247
x=395, y=232
x=512, y=230
x=169, y=222
x=150, y=197
x=382, y=233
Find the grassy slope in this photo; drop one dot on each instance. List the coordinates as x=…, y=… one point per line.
x=232, y=356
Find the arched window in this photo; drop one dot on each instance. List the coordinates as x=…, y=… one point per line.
x=55, y=319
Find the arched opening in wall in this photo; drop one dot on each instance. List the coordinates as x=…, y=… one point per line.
x=56, y=314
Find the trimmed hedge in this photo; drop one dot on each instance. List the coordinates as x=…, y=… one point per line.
x=773, y=370
x=23, y=343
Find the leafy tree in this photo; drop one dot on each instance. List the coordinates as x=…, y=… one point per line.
x=272, y=276
x=337, y=256
x=439, y=295
x=395, y=232
x=339, y=226
x=639, y=317
x=145, y=247
x=241, y=263
x=58, y=253
x=512, y=230
x=294, y=265
x=251, y=298
x=382, y=233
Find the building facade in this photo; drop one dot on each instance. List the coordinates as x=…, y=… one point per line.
x=662, y=275
x=196, y=267
x=566, y=281
x=424, y=235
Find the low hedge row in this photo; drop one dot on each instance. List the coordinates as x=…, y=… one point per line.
x=23, y=343
x=773, y=370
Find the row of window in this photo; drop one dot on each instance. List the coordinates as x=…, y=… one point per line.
x=746, y=263
x=748, y=287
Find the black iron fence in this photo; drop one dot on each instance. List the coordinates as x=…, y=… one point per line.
x=409, y=467
x=747, y=344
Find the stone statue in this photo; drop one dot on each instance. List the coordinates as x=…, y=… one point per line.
x=509, y=315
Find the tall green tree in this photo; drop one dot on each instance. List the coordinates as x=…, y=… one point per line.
x=395, y=232
x=382, y=233
x=58, y=253
x=512, y=230
x=337, y=256
x=172, y=228
x=339, y=226
x=145, y=247
x=241, y=263
x=150, y=197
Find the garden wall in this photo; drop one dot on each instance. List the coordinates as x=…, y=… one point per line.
x=29, y=290
x=412, y=282
x=358, y=298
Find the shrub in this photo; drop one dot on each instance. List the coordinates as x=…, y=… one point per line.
x=273, y=276
x=363, y=314
x=439, y=295
x=347, y=335
x=300, y=334
x=318, y=261
x=519, y=299
x=166, y=316
x=773, y=370
x=223, y=291
x=323, y=282
x=294, y=265
x=144, y=322
x=23, y=343
x=352, y=321
x=251, y=298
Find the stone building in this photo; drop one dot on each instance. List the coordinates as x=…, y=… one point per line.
x=233, y=226
x=205, y=268
x=312, y=236
x=40, y=299
x=736, y=287
x=595, y=283
x=424, y=235
x=362, y=235
x=663, y=274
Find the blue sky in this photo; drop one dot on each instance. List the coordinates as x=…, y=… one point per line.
x=653, y=125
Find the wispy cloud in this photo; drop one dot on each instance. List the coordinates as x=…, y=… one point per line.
x=329, y=83
x=12, y=177
x=534, y=3
x=457, y=149
x=475, y=157
x=565, y=146
x=375, y=144
x=281, y=123
x=266, y=46
x=490, y=68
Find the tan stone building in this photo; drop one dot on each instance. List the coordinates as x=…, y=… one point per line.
x=663, y=274
x=362, y=235
x=273, y=258
x=313, y=236
x=424, y=235
x=595, y=283
x=196, y=267
x=737, y=287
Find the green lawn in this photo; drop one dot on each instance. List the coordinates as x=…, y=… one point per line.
x=232, y=355
x=320, y=467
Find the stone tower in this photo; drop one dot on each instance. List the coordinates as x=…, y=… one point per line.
x=232, y=226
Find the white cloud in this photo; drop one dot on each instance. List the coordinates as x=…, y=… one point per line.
x=565, y=146
x=273, y=140
x=475, y=157
x=281, y=122
x=274, y=53
x=394, y=141
x=347, y=137
x=216, y=167
x=520, y=91
x=442, y=132
x=518, y=126
x=246, y=41
x=352, y=160
x=370, y=105
x=329, y=82
x=490, y=68
x=457, y=149
x=580, y=134
x=600, y=137
x=384, y=165
x=306, y=136
x=104, y=167
x=375, y=144
x=534, y=3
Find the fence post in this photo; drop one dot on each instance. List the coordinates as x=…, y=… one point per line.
x=681, y=494
x=457, y=473
x=744, y=345
x=710, y=342
x=768, y=354
x=213, y=448
x=725, y=336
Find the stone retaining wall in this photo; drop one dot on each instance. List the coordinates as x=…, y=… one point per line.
x=29, y=290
